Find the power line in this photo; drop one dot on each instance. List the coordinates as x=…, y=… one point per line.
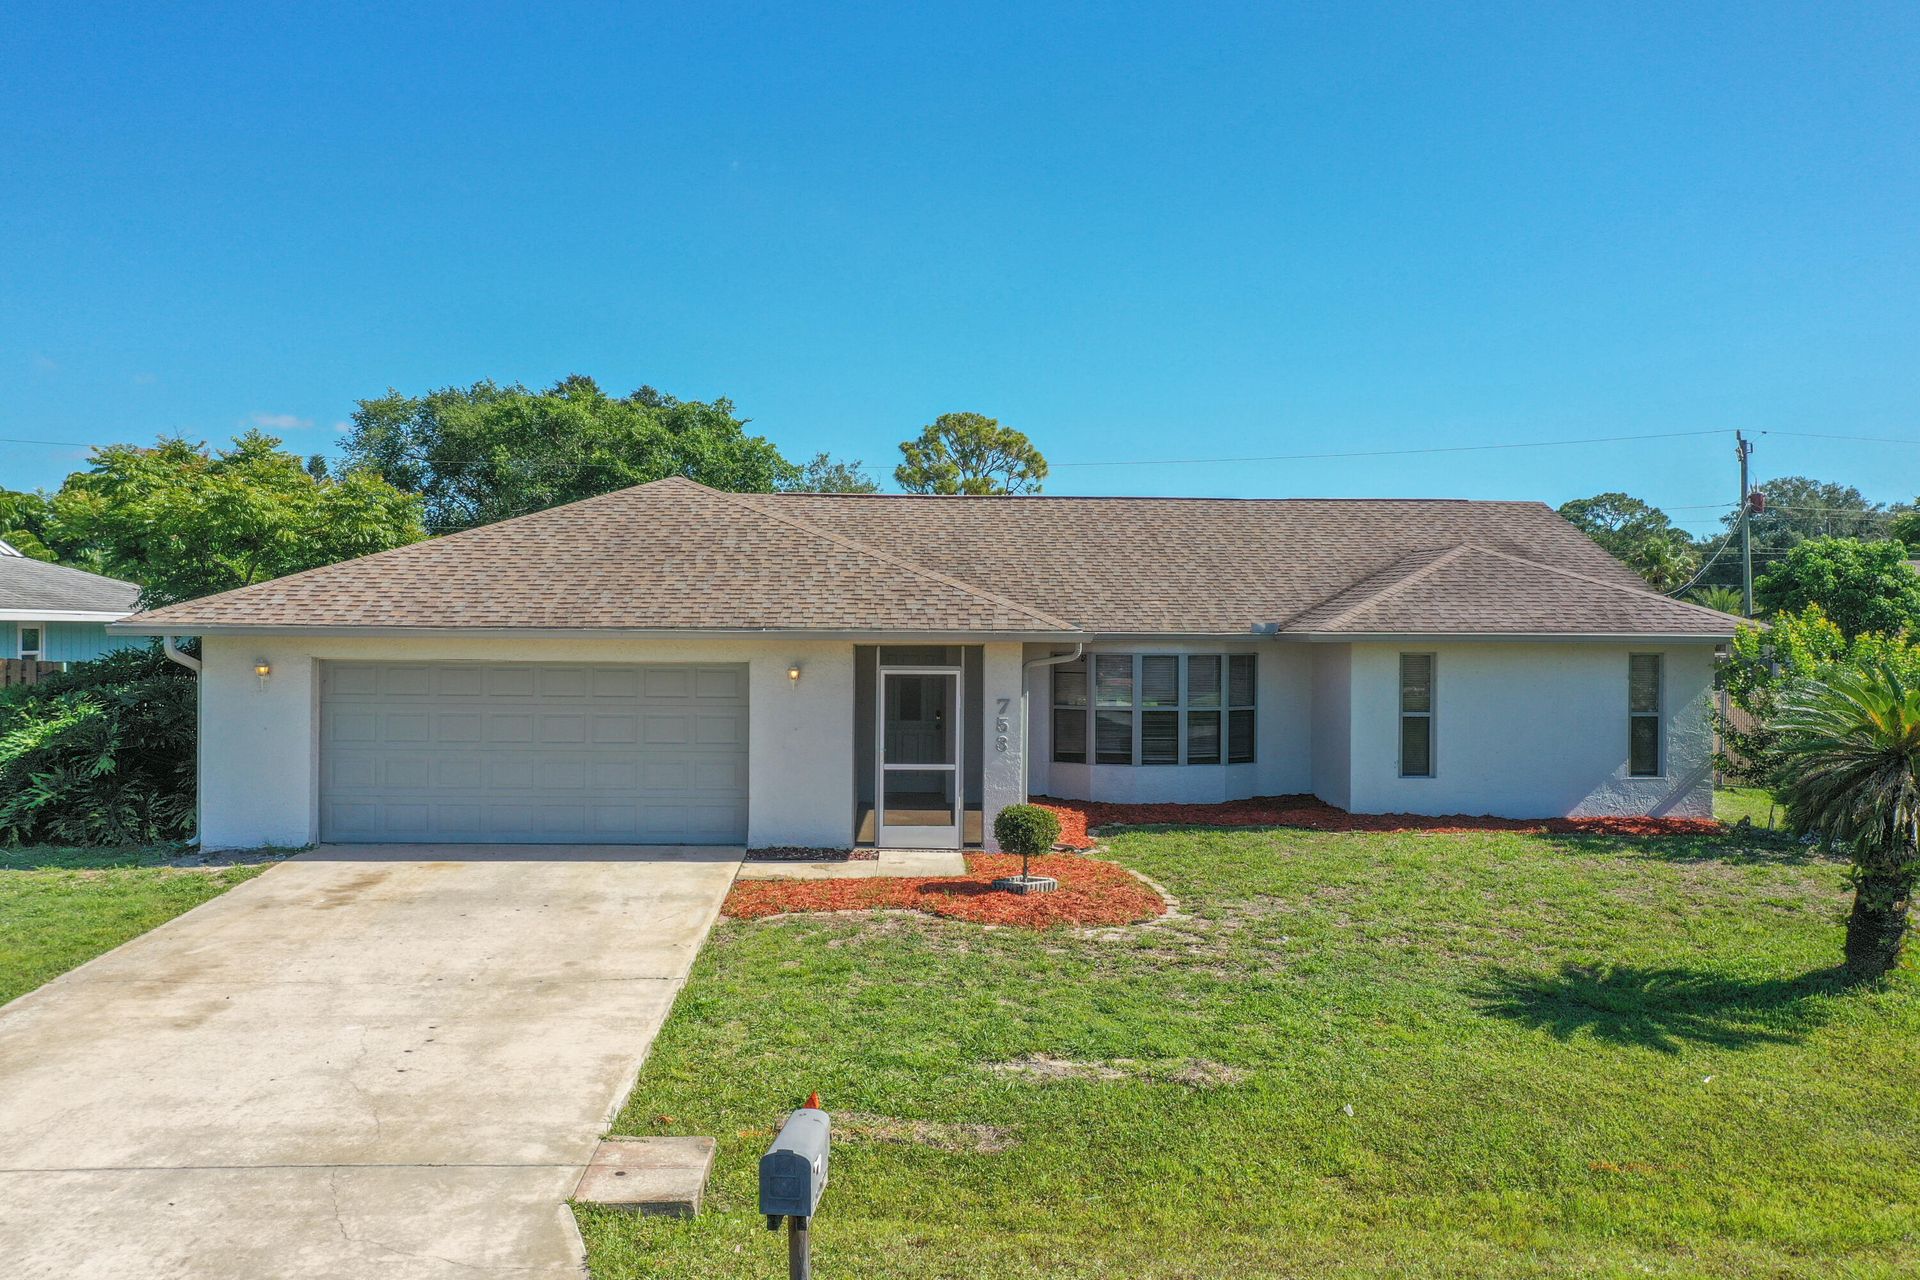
x=1391, y=453
x=1821, y=435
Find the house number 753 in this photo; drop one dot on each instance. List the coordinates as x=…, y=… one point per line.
x=1000, y=724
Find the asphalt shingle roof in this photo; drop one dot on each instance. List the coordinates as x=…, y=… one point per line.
x=26, y=583
x=675, y=555
x=670, y=555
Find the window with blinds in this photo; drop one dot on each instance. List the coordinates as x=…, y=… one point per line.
x=1156, y=709
x=1070, y=712
x=1416, y=715
x=1643, y=715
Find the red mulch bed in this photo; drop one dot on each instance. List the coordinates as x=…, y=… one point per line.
x=1091, y=892
x=1080, y=817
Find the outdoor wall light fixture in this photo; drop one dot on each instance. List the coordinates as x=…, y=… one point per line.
x=263, y=670
x=793, y=673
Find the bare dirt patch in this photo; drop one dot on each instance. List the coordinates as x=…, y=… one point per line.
x=1194, y=1073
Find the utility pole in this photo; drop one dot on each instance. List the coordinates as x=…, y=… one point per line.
x=1744, y=447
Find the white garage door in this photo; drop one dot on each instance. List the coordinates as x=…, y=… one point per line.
x=533, y=753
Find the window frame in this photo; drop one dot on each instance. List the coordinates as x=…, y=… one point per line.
x=1430, y=715
x=1083, y=667
x=1137, y=709
x=39, y=652
x=1657, y=715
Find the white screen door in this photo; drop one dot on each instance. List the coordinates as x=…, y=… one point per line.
x=918, y=790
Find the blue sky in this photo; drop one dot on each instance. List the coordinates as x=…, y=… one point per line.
x=1135, y=232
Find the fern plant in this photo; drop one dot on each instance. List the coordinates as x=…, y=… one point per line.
x=101, y=754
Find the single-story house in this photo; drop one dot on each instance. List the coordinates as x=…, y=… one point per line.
x=673, y=664
x=51, y=613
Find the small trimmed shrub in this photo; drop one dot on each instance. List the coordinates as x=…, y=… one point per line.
x=101, y=754
x=1026, y=829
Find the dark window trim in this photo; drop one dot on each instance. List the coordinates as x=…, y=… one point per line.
x=1657, y=716
x=1433, y=702
x=1181, y=709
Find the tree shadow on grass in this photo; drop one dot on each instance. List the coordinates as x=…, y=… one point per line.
x=1662, y=1008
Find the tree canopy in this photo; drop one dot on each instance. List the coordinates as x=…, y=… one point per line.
x=823, y=474
x=1637, y=534
x=969, y=453
x=1861, y=586
x=185, y=522
x=23, y=523
x=1798, y=508
x=489, y=452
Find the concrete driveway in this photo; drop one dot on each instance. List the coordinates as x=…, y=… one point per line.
x=367, y=1061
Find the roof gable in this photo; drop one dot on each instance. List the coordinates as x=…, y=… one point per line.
x=669, y=555
x=27, y=584
x=1472, y=590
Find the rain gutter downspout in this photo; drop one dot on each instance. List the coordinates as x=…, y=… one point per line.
x=172, y=650
x=1051, y=660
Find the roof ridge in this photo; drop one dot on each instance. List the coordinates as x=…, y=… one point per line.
x=56, y=566
x=476, y=532
x=1599, y=582
x=1136, y=497
x=1405, y=580
x=746, y=500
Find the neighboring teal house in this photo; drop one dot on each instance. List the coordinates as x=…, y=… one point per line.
x=51, y=613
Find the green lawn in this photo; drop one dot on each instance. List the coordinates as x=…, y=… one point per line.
x=1756, y=804
x=62, y=907
x=1564, y=1056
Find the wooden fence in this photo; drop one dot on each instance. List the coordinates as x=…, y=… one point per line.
x=20, y=671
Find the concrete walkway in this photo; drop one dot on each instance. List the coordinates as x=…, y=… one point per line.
x=386, y=1062
x=890, y=862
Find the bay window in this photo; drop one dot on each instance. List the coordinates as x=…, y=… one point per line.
x=1155, y=709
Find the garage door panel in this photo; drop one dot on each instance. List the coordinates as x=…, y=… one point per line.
x=459, y=727
x=459, y=682
x=666, y=682
x=533, y=753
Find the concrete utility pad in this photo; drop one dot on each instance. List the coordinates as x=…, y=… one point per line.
x=890, y=863
x=388, y=1061
x=649, y=1175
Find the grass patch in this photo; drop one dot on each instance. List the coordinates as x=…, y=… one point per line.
x=1481, y=1054
x=1755, y=804
x=62, y=907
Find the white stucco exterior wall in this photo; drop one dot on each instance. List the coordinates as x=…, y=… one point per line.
x=1004, y=773
x=1332, y=724
x=1526, y=730
x=259, y=746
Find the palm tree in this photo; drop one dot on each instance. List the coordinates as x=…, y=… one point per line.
x=1849, y=774
x=1725, y=599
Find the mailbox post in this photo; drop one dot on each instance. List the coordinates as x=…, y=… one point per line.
x=793, y=1173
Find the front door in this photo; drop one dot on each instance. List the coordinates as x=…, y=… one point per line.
x=918, y=791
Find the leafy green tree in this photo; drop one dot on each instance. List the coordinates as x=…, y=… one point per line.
x=1905, y=525
x=488, y=452
x=823, y=474
x=972, y=454
x=184, y=522
x=1725, y=599
x=1638, y=535
x=1862, y=586
x=23, y=523
x=1798, y=508
x=1762, y=663
x=1850, y=775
